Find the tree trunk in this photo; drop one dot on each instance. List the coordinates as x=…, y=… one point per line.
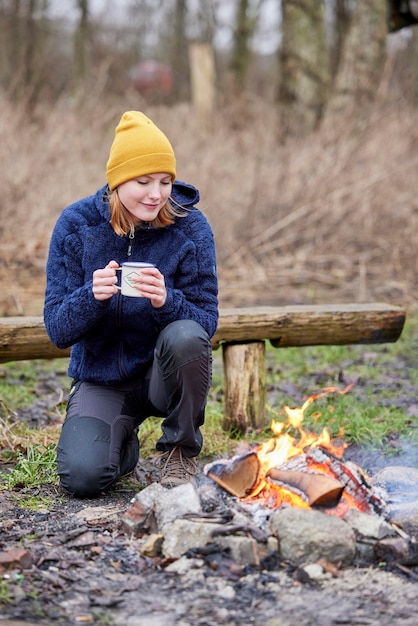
x=29, y=45
x=202, y=65
x=401, y=14
x=362, y=59
x=15, y=58
x=304, y=66
x=341, y=24
x=180, y=60
x=240, y=58
x=81, y=37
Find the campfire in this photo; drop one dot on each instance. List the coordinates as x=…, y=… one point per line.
x=292, y=498
x=303, y=470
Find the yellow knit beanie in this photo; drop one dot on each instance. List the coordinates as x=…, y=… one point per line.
x=139, y=148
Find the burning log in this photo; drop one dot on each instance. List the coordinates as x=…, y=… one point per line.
x=356, y=485
x=357, y=488
x=316, y=476
x=239, y=476
x=319, y=489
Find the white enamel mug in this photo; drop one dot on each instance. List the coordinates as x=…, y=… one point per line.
x=129, y=270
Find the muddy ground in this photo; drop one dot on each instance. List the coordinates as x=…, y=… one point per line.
x=76, y=565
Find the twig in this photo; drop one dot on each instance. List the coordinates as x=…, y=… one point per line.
x=406, y=570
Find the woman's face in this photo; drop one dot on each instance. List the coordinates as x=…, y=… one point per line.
x=144, y=196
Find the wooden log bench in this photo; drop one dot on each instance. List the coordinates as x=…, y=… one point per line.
x=242, y=334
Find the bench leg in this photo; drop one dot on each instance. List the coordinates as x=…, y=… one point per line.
x=245, y=386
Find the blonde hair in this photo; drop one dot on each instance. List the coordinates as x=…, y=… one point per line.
x=123, y=224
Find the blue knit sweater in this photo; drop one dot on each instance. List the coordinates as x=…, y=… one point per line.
x=113, y=340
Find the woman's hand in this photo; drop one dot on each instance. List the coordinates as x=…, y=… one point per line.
x=104, y=281
x=151, y=284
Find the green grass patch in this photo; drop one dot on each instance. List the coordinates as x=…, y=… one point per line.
x=35, y=468
x=6, y=594
x=371, y=411
x=361, y=424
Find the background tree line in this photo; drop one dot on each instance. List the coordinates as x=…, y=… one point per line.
x=331, y=55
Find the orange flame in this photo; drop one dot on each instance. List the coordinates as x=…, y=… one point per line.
x=283, y=446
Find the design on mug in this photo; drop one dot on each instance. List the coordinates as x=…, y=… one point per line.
x=129, y=278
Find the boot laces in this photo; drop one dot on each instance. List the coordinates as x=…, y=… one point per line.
x=175, y=468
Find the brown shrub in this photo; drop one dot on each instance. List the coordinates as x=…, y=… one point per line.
x=328, y=218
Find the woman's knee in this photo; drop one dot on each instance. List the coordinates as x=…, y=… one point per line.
x=184, y=340
x=83, y=481
x=83, y=457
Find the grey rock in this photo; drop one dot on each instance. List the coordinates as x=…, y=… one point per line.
x=307, y=536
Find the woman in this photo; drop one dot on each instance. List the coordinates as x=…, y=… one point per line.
x=133, y=357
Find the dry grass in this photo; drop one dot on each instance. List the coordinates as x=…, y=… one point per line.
x=16, y=436
x=9, y=440
x=329, y=218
